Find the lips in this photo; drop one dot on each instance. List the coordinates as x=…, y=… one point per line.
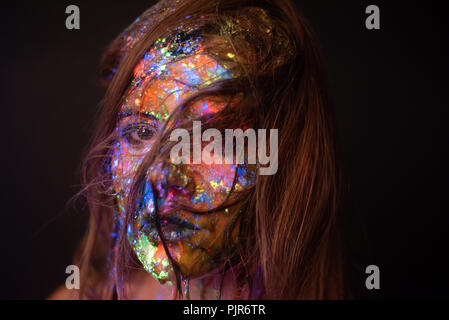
x=173, y=228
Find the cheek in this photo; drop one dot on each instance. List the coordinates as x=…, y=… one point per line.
x=125, y=160
x=212, y=185
x=217, y=185
x=123, y=168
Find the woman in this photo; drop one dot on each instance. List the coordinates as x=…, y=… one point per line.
x=161, y=228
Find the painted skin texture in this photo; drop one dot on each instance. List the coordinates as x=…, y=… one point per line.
x=197, y=242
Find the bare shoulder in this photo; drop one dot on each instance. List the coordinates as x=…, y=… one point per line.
x=140, y=286
x=62, y=293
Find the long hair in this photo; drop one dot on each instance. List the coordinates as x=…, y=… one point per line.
x=288, y=243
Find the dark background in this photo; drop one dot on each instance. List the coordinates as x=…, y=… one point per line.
x=389, y=90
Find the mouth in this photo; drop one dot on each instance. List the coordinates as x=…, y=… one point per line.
x=173, y=228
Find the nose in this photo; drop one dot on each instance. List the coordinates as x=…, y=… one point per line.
x=178, y=177
x=168, y=177
x=166, y=185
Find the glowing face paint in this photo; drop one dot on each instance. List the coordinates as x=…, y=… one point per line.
x=172, y=70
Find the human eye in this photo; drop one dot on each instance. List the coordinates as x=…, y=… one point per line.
x=137, y=135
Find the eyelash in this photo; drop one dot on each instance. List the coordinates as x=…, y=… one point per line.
x=137, y=133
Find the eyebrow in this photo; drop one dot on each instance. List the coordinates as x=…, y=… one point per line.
x=144, y=114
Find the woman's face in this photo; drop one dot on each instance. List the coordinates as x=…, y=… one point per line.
x=170, y=72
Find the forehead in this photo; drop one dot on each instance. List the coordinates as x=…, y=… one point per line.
x=170, y=71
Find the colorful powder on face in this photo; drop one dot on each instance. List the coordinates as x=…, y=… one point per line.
x=172, y=69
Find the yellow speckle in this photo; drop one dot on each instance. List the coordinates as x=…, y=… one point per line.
x=231, y=55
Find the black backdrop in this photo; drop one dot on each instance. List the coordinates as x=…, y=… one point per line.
x=389, y=92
